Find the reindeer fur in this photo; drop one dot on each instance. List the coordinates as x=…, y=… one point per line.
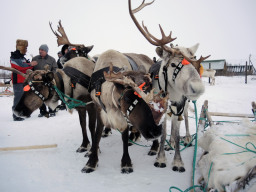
x=227, y=169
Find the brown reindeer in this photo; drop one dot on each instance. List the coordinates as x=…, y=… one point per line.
x=179, y=76
x=121, y=103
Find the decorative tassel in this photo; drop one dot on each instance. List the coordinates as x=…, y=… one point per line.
x=180, y=118
x=170, y=114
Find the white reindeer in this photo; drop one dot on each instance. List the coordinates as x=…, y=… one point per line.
x=211, y=74
x=180, y=80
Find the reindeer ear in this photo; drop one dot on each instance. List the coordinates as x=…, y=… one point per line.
x=88, y=49
x=49, y=76
x=159, y=51
x=194, y=48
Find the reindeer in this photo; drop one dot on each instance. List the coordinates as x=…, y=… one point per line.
x=75, y=50
x=211, y=74
x=120, y=103
x=180, y=79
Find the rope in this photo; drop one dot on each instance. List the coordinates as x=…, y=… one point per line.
x=245, y=148
x=71, y=103
x=195, y=150
x=134, y=142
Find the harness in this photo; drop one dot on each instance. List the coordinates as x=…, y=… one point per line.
x=176, y=108
x=133, y=102
x=62, y=88
x=97, y=79
x=33, y=89
x=77, y=76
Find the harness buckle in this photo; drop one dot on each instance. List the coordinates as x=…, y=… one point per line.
x=98, y=93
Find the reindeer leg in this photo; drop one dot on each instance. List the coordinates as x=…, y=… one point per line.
x=93, y=158
x=171, y=144
x=161, y=159
x=86, y=143
x=92, y=122
x=134, y=135
x=177, y=164
x=126, y=164
x=154, y=148
x=187, y=138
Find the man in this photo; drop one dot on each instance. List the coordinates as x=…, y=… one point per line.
x=43, y=60
x=62, y=106
x=19, y=62
x=60, y=66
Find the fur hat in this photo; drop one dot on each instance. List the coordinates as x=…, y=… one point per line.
x=44, y=47
x=22, y=45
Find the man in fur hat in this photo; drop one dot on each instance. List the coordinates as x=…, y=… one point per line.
x=19, y=62
x=43, y=60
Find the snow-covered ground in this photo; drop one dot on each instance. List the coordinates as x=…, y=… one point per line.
x=58, y=169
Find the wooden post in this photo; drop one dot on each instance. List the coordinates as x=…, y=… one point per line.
x=246, y=72
x=28, y=147
x=210, y=66
x=254, y=109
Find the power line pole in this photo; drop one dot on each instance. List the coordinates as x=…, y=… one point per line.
x=246, y=72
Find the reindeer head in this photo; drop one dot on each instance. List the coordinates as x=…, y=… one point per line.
x=36, y=90
x=187, y=82
x=143, y=110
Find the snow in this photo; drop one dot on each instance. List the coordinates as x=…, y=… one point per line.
x=59, y=169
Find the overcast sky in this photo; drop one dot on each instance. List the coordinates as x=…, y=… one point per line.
x=225, y=29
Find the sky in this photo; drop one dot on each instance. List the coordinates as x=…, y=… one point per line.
x=224, y=29
x=59, y=169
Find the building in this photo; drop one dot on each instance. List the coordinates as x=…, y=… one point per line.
x=219, y=65
x=222, y=69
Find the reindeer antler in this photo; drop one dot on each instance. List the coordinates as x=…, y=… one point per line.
x=153, y=40
x=165, y=39
x=13, y=70
x=62, y=39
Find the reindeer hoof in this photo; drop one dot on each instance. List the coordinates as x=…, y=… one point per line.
x=87, y=154
x=175, y=168
x=127, y=170
x=180, y=169
x=168, y=148
x=87, y=170
x=81, y=149
x=160, y=165
x=151, y=153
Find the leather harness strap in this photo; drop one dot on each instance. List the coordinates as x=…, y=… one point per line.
x=132, y=63
x=77, y=76
x=62, y=88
